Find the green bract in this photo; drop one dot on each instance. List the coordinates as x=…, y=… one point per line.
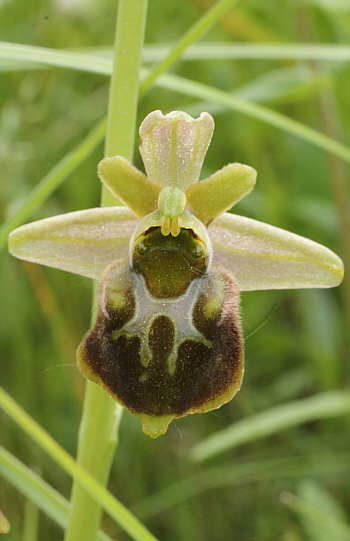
x=167, y=339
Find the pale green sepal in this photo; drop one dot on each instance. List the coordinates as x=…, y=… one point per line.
x=173, y=147
x=83, y=242
x=129, y=185
x=213, y=196
x=265, y=257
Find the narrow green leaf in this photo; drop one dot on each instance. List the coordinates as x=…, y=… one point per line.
x=329, y=521
x=265, y=423
x=201, y=27
x=110, y=504
x=317, y=513
x=53, y=179
x=37, y=490
x=239, y=474
x=288, y=125
x=32, y=486
x=56, y=57
x=197, y=90
x=253, y=51
x=285, y=85
x=97, y=61
x=57, y=508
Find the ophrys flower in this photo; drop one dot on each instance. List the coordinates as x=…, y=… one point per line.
x=167, y=339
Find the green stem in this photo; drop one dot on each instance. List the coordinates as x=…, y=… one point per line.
x=30, y=521
x=98, y=431
x=96, y=445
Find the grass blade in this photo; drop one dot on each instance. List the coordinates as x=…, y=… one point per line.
x=239, y=474
x=230, y=101
x=53, y=180
x=43, y=56
x=266, y=423
x=37, y=490
x=110, y=504
x=201, y=27
x=96, y=61
x=319, y=521
x=253, y=51
x=191, y=88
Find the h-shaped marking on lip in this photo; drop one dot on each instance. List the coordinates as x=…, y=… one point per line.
x=148, y=308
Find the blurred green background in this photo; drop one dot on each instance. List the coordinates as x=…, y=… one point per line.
x=296, y=341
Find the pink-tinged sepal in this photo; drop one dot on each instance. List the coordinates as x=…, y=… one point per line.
x=173, y=147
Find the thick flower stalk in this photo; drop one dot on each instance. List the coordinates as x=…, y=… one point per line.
x=167, y=339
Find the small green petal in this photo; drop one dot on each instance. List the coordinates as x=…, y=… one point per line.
x=173, y=147
x=265, y=257
x=129, y=184
x=83, y=242
x=218, y=193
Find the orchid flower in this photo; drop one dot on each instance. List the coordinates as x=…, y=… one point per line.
x=167, y=338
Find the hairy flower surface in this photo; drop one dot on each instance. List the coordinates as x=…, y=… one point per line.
x=167, y=339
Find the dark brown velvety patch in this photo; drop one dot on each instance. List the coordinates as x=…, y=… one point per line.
x=201, y=373
x=161, y=340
